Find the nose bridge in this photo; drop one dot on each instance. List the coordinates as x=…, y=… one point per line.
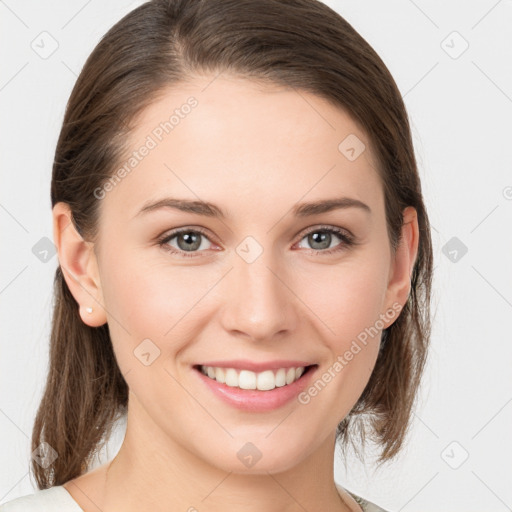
x=260, y=304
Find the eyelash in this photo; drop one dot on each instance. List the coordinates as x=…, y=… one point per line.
x=347, y=240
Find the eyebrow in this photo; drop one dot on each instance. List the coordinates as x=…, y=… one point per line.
x=208, y=209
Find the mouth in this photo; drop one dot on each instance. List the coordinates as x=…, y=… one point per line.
x=255, y=391
x=266, y=380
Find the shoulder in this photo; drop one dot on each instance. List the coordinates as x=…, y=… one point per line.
x=365, y=505
x=54, y=499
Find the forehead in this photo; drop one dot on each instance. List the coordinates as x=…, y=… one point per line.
x=237, y=142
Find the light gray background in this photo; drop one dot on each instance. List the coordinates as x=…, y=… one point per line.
x=460, y=108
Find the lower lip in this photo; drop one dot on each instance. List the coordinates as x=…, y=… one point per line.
x=254, y=400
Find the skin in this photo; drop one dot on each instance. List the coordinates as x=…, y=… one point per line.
x=255, y=151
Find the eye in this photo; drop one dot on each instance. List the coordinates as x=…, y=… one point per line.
x=321, y=238
x=184, y=241
x=191, y=242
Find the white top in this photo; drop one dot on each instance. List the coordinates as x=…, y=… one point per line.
x=58, y=499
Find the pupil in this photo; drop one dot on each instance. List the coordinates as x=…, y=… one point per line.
x=192, y=241
x=322, y=238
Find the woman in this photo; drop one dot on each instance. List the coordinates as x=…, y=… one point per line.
x=245, y=264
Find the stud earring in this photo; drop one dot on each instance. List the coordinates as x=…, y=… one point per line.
x=89, y=310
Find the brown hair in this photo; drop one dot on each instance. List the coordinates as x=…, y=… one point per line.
x=301, y=44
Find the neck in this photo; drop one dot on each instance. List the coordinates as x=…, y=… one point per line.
x=146, y=475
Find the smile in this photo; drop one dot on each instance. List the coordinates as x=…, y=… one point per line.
x=246, y=379
x=258, y=389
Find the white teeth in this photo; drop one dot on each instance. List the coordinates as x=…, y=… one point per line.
x=266, y=380
x=246, y=379
x=280, y=378
x=220, y=376
x=231, y=378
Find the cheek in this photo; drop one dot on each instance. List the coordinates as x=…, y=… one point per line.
x=350, y=312
x=140, y=290
x=348, y=298
x=152, y=298
x=349, y=307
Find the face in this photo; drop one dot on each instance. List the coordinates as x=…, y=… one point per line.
x=254, y=284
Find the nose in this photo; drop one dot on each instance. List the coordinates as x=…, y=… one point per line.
x=260, y=304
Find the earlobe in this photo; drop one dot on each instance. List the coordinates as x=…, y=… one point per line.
x=402, y=266
x=79, y=266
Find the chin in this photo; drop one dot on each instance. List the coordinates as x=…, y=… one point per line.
x=257, y=455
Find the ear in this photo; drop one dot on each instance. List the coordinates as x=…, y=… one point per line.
x=402, y=266
x=79, y=266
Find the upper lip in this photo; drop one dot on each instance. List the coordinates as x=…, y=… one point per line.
x=242, y=364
